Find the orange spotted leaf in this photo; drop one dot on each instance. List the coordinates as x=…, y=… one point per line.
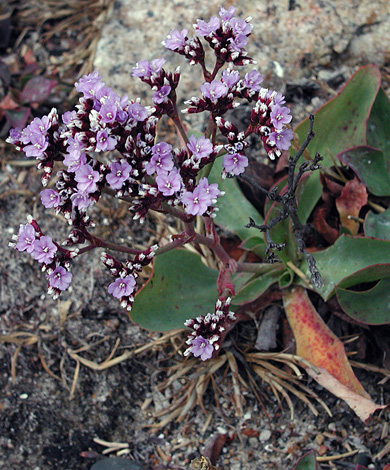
x=316, y=343
x=352, y=198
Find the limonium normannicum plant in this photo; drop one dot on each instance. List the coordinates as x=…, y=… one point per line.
x=107, y=146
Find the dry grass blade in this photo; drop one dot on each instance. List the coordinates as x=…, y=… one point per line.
x=277, y=377
x=371, y=368
x=14, y=361
x=111, y=446
x=236, y=386
x=107, y=363
x=44, y=363
x=20, y=338
x=330, y=458
x=75, y=379
x=191, y=393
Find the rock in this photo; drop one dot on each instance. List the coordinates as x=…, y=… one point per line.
x=253, y=442
x=265, y=435
x=116, y=463
x=309, y=35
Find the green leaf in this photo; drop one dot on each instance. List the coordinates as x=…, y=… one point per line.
x=378, y=126
x=371, y=306
x=370, y=166
x=180, y=287
x=307, y=462
x=349, y=261
x=234, y=208
x=286, y=279
x=309, y=190
x=339, y=125
x=378, y=225
x=254, y=288
x=254, y=243
x=283, y=233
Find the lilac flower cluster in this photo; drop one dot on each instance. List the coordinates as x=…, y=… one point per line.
x=41, y=247
x=268, y=117
x=108, y=146
x=209, y=330
x=126, y=274
x=227, y=35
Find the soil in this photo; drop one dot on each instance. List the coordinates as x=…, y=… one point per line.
x=58, y=411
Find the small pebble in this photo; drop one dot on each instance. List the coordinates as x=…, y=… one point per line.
x=253, y=442
x=322, y=450
x=265, y=435
x=332, y=427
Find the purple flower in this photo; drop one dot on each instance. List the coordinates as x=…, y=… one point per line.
x=226, y=15
x=81, y=200
x=145, y=69
x=156, y=65
x=280, y=115
x=38, y=146
x=202, y=348
x=175, y=39
x=106, y=95
x=141, y=70
x=108, y=112
x=89, y=84
x=137, y=111
x=119, y=174
x=230, y=77
x=238, y=43
x=160, y=162
x=196, y=202
x=44, y=250
x=252, y=80
x=240, y=27
x=15, y=136
x=68, y=117
x=60, y=278
x=77, y=142
x=87, y=178
x=161, y=95
x=169, y=183
x=277, y=98
x=282, y=139
x=104, y=142
x=211, y=190
x=122, y=287
x=201, y=147
x=214, y=90
x=26, y=238
x=50, y=198
x=75, y=160
x=204, y=28
x=208, y=330
x=40, y=126
x=235, y=163
x=162, y=149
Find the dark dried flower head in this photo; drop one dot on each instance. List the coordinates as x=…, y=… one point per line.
x=208, y=330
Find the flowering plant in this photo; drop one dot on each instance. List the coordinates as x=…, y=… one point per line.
x=108, y=147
